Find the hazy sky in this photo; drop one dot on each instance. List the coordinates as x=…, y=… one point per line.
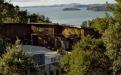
x=50, y=2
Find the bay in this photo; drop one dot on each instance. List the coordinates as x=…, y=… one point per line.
x=56, y=14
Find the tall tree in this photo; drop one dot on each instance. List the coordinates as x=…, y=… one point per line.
x=86, y=58
x=112, y=37
x=112, y=40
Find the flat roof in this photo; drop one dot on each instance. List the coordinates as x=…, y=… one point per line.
x=41, y=50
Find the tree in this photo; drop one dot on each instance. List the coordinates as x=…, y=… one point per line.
x=1, y=9
x=86, y=58
x=111, y=38
x=101, y=24
x=16, y=62
x=84, y=24
x=12, y=14
x=37, y=18
x=23, y=16
x=115, y=9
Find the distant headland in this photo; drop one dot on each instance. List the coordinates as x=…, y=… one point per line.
x=75, y=6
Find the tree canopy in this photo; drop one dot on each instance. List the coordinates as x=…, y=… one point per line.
x=16, y=62
x=111, y=39
x=86, y=58
x=13, y=14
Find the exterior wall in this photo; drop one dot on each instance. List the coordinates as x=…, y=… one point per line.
x=58, y=29
x=11, y=30
x=91, y=32
x=43, y=29
x=37, y=40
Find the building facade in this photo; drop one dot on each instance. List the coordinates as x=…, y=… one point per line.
x=50, y=35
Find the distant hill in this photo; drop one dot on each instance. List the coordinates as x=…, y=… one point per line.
x=98, y=7
x=94, y=7
x=58, y=5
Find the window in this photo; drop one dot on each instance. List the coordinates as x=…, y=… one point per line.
x=41, y=29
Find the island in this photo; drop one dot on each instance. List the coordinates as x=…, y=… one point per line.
x=71, y=9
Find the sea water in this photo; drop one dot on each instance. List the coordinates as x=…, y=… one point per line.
x=57, y=15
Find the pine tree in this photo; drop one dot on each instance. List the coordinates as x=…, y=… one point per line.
x=16, y=62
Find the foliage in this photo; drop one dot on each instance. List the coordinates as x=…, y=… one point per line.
x=86, y=58
x=1, y=4
x=116, y=10
x=13, y=14
x=111, y=38
x=84, y=24
x=37, y=18
x=101, y=24
x=16, y=62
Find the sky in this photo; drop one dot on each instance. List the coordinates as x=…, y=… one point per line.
x=51, y=2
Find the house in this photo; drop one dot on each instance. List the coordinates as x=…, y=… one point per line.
x=50, y=35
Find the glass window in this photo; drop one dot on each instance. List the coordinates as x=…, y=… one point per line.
x=41, y=29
